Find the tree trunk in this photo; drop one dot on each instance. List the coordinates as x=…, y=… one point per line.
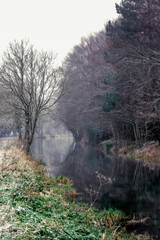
x=137, y=134
x=29, y=134
x=26, y=137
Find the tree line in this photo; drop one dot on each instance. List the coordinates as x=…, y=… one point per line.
x=115, y=89
x=108, y=86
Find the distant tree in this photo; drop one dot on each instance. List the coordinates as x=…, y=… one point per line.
x=81, y=108
x=6, y=112
x=33, y=82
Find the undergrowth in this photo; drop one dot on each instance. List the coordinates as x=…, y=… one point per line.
x=34, y=205
x=149, y=154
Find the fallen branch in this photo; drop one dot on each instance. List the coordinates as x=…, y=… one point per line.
x=140, y=221
x=5, y=168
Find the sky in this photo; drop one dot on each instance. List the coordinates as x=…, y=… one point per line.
x=53, y=25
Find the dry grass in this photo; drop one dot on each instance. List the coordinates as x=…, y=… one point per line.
x=149, y=154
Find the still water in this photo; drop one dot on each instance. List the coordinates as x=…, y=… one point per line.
x=110, y=181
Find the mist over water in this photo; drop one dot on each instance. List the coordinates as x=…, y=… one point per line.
x=52, y=143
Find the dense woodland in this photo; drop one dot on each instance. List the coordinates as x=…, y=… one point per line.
x=107, y=88
x=115, y=83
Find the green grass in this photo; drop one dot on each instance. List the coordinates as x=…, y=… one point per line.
x=34, y=205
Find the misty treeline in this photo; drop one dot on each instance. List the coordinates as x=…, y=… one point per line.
x=108, y=87
x=115, y=84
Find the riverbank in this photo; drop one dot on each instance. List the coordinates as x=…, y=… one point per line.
x=149, y=154
x=34, y=205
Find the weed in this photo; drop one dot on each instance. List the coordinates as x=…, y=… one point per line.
x=34, y=206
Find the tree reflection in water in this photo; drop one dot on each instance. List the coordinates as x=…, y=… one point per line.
x=130, y=185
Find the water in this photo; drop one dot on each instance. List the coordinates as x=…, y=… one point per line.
x=110, y=181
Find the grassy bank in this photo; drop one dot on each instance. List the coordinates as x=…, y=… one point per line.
x=34, y=205
x=149, y=154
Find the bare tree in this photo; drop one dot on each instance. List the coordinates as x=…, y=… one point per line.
x=81, y=108
x=34, y=83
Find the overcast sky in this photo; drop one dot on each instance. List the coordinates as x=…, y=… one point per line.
x=52, y=25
